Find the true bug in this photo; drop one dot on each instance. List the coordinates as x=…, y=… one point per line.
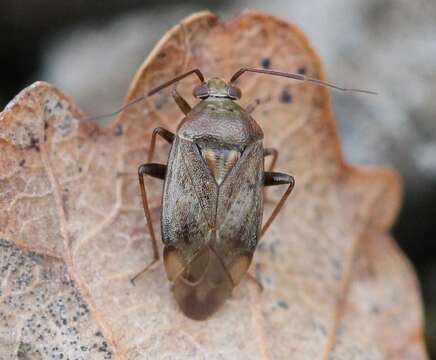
x=212, y=201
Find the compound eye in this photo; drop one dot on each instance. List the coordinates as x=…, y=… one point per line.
x=201, y=91
x=234, y=92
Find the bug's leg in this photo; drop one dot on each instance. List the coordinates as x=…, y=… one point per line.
x=271, y=152
x=251, y=107
x=157, y=171
x=180, y=101
x=274, y=153
x=272, y=179
x=253, y=278
x=164, y=134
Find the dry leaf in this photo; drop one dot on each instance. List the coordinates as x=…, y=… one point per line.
x=335, y=284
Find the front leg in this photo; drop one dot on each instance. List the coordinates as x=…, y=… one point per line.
x=253, y=105
x=165, y=134
x=180, y=101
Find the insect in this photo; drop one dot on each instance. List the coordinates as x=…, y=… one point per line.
x=212, y=203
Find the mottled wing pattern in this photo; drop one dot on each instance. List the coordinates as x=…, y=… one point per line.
x=189, y=200
x=202, y=180
x=239, y=212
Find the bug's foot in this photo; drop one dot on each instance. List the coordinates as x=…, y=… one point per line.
x=253, y=278
x=143, y=271
x=132, y=280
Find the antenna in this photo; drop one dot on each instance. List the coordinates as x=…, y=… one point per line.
x=296, y=77
x=150, y=93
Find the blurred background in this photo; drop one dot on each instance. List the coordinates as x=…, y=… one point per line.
x=91, y=50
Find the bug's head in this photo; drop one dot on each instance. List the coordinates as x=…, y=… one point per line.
x=216, y=87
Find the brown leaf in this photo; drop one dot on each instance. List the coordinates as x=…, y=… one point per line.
x=335, y=284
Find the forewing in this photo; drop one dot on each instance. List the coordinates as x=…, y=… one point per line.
x=189, y=199
x=203, y=184
x=239, y=212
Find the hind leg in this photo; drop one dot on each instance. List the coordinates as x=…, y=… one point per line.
x=156, y=171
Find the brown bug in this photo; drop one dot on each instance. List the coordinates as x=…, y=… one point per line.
x=212, y=201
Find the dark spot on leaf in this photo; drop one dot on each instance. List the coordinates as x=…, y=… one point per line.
x=261, y=247
x=323, y=329
x=4, y=243
x=265, y=63
x=34, y=143
x=119, y=130
x=45, y=125
x=302, y=70
x=212, y=21
x=282, y=304
x=22, y=162
x=285, y=96
x=23, y=348
x=160, y=102
x=336, y=263
x=375, y=310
